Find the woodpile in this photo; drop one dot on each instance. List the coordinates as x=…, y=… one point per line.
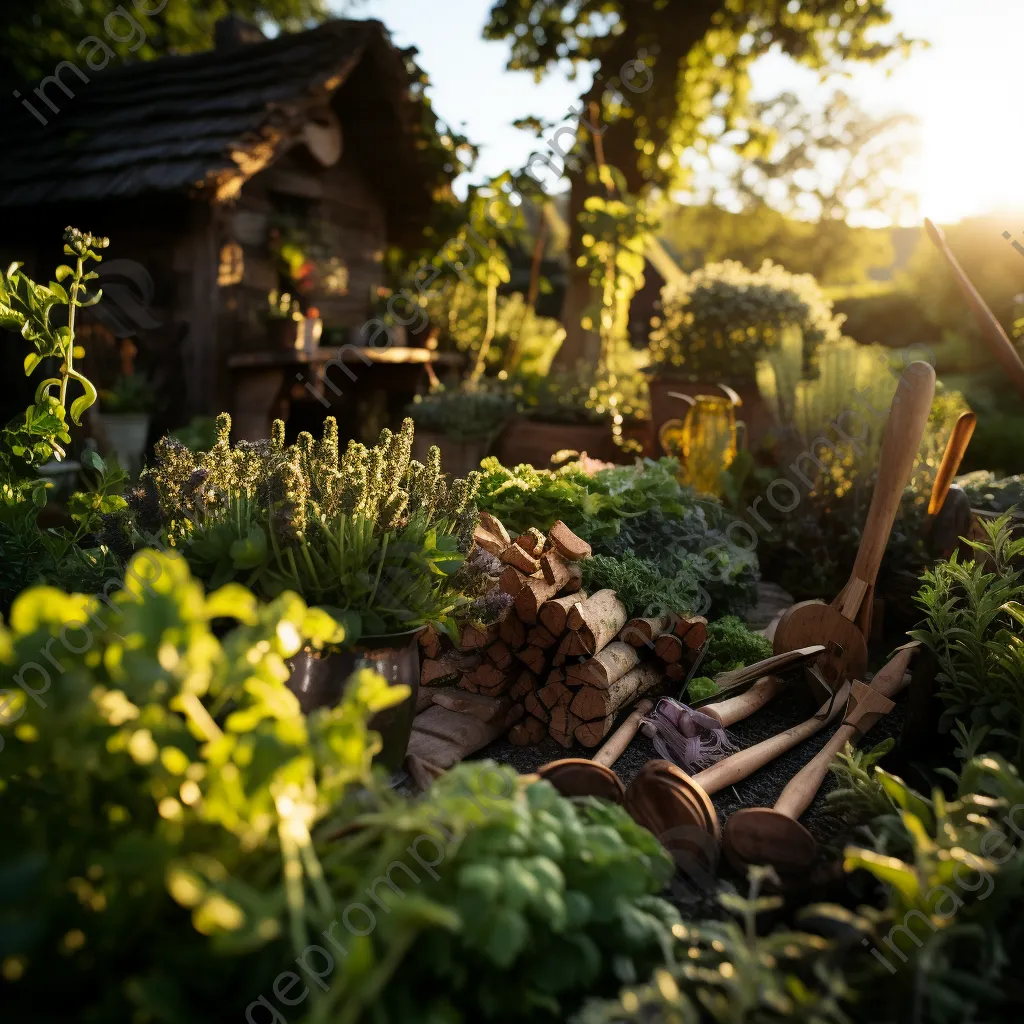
x=559, y=663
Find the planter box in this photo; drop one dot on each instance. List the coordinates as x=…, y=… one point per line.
x=753, y=412
x=457, y=457
x=126, y=435
x=533, y=442
x=319, y=682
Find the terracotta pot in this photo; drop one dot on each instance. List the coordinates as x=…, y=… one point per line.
x=753, y=412
x=533, y=442
x=457, y=457
x=319, y=682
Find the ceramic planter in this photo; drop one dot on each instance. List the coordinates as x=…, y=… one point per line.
x=534, y=442
x=318, y=680
x=126, y=434
x=458, y=457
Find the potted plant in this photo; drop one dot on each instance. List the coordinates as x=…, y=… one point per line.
x=125, y=418
x=718, y=322
x=563, y=412
x=463, y=422
x=371, y=535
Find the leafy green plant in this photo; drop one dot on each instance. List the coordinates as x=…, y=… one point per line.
x=952, y=889
x=28, y=308
x=732, y=644
x=640, y=585
x=463, y=414
x=172, y=820
x=129, y=395
x=371, y=534
x=726, y=973
x=974, y=627
x=721, y=319
x=859, y=796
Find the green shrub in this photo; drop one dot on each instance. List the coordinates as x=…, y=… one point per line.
x=721, y=319
x=463, y=414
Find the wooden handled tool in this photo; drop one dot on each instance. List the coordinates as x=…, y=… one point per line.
x=844, y=625
x=616, y=744
x=677, y=807
x=759, y=835
x=956, y=449
x=991, y=329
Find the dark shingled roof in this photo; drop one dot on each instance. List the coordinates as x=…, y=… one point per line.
x=211, y=120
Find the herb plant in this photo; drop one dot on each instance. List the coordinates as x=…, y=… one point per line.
x=641, y=587
x=28, y=308
x=370, y=533
x=974, y=625
x=463, y=414
x=733, y=645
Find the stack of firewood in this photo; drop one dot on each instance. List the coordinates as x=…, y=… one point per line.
x=571, y=660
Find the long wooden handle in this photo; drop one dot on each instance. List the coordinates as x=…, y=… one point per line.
x=991, y=329
x=956, y=449
x=801, y=789
x=623, y=736
x=738, y=766
x=735, y=709
x=904, y=430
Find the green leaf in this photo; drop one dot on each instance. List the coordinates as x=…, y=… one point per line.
x=83, y=402
x=32, y=360
x=94, y=460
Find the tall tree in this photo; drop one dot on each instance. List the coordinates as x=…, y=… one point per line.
x=663, y=67
x=825, y=167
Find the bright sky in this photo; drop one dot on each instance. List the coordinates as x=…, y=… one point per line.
x=965, y=90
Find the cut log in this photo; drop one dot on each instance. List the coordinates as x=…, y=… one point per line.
x=533, y=705
x=488, y=541
x=472, y=636
x=447, y=668
x=563, y=725
x=553, y=613
x=556, y=675
x=641, y=632
x=531, y=597
x=523, y=685
x=528, y=732
x=486, y=676
x=609, y=664
x=430, y=641
x=421, y=772
x=499, y=655
x=591, y=703
x=556, y=569
x=575, y=580
x=676, y=672
x=425, y=696
x=493, y=525
x=590, y=734
x=519, y=559
x=567, y=543
x=442, y=737
x=555, y=694
x=540, y=636
x=487, y=709
x=669, y=647
x=534, y=658
x=693, y=630
x=511, y=581
x=597, y=620
x=512, y=630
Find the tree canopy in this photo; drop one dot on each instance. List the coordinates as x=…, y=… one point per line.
x=662, y=69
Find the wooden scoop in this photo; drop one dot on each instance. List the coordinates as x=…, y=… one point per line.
x=844, y=625
x=956, y=449
x=991, y=329
x=731, y=710
x=681, y=808
x=759, y=835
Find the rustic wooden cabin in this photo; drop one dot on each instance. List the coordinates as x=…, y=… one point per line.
x=263, y=166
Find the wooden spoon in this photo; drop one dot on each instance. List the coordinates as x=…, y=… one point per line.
x=680, y=809
x=844, y=625
x=991, y=329
x=956, y=449
x=760, y=835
